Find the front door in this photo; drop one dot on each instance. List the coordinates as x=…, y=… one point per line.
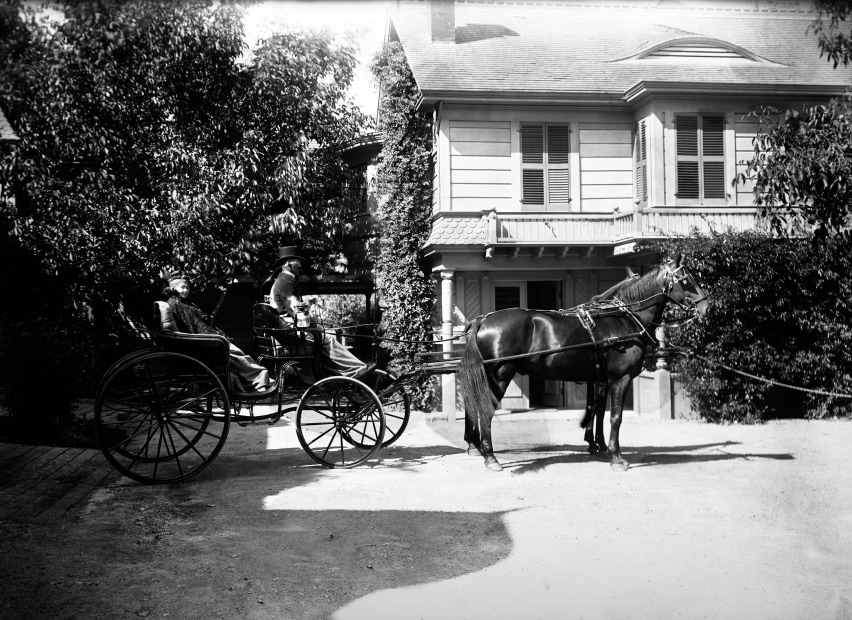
x=545, y=295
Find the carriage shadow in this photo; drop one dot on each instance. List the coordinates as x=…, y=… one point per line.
x=648, y=456
x=271, y=463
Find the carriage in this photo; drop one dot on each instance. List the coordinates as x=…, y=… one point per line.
x=163, y=413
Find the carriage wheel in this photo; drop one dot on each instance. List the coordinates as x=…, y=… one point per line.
x=161, y=417
x=340, y=422
x=396, y=404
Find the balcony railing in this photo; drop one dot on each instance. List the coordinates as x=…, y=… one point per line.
x=614, y=228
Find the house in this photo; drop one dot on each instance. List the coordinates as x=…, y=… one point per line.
x=566, y=132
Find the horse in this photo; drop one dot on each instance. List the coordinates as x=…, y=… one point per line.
x=596, y=344
x=596, y=392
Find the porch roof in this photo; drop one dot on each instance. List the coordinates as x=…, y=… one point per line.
x=555, y=52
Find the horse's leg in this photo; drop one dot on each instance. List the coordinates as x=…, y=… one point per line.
x=589, y=435
x=619, y=392
x=601, y=391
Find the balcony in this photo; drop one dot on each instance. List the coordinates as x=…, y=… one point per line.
x=613, y=228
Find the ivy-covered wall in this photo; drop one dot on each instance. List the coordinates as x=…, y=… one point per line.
x=406, y=292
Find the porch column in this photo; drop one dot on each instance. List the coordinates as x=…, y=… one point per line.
x=448, y=381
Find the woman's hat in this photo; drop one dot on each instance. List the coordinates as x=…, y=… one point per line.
x=170, y=275
x=285, y=253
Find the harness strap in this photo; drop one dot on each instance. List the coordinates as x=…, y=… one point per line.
x=613, y=340
x=588, y=322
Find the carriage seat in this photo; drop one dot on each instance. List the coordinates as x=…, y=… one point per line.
x=167, y=319
x=284, y=343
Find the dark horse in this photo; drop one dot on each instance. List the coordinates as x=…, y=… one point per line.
x=599, y=343
x=596, y=392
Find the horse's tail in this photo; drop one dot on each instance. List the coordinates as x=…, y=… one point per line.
x=476, y=392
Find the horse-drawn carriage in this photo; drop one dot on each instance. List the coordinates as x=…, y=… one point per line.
x=163, y=413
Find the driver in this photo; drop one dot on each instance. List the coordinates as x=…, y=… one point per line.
x=286, y=296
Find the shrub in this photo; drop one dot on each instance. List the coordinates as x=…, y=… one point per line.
x=779, y=310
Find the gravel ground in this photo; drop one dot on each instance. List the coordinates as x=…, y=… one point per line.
x=709, y=522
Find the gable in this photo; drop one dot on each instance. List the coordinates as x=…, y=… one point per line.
x=6, y=132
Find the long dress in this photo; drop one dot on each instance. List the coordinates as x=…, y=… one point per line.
x=245, y=374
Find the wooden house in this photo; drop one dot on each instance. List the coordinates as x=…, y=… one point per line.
x=566, y=132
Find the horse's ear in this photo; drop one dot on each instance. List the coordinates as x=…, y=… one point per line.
x=678, y=259
x=630, y=272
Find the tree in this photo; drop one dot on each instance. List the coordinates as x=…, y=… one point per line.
x=833, y=41
x=802, y=163
x=145, y=143
x=405, y=291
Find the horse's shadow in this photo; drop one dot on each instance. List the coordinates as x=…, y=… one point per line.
x=648, y=456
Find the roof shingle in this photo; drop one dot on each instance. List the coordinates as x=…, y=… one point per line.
x=549, y=48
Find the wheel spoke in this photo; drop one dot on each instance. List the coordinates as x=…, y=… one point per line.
x=339, y=422
x=161, y=416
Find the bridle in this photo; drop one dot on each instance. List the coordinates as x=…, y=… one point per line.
x=681, y=277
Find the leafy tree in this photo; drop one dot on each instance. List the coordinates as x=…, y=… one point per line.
x=405, y=291
x=802, y=168
x=802, y=163
x=144, y=142
x=779, y=310
x=831, y=21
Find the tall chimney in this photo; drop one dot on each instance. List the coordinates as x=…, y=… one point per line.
x=443, y=20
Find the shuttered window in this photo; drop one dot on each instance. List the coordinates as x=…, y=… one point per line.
x=700, y=157
x=546, y=165
x=640, y=158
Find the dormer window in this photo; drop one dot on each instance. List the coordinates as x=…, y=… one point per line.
x=685, y=49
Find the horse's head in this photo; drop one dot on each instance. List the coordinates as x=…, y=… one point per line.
x=682, y=288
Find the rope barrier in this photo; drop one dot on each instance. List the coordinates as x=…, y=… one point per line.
x=759, y=378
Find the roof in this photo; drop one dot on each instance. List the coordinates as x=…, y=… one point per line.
x=6, y=133
x=570, y=50
x=457, y=229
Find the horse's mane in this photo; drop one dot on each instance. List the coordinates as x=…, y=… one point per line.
x=633, y=289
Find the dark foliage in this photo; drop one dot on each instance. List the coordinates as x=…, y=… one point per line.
x=780, y=310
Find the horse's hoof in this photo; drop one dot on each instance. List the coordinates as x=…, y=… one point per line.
x=620, y=465
x=492, y=464
x=472, y=450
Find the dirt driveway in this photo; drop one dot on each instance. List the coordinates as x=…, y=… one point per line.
x=709, y=522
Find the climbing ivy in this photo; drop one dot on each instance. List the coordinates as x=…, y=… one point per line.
x=406, y=292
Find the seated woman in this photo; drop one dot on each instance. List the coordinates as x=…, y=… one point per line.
x=245, y=374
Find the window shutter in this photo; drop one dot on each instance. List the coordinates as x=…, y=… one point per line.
x=713, y=152
x=546, y=165
x=558, y=164
x=640, y=156
x=687, y=156
x=532, y=144
x=534, y=187
x=532, y=158
x=700, y=156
